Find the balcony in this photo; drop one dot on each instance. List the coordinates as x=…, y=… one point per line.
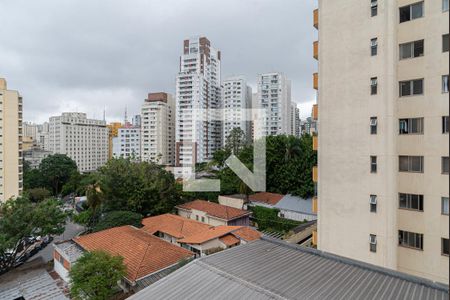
x=316, y=81
x=315, y=112
x=315, y=174
x=314, y=205
x=316, y=50
x=316, y=18
x=314, y=238
x=315, y=143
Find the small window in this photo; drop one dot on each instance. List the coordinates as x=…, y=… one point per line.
x=410, y=201
x=373, y=85
x=411, y=87
x=444, y=205
x=373, y=243
x=410, y=239
x=373, y=125
x=445, y=83
x=411, y=12
x=444, y=5
x=373, y=46
x=411, y=126
x=445, y=124
x=373, y=164
x=203, y=219
x=444, y=165
x=412, y=164
x=374, y=7
x=373, y=203
x=196, y=217
x=411, y=50
x=444, y=247
x=445, y=43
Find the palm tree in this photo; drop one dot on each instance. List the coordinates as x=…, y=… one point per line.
x=292, y=148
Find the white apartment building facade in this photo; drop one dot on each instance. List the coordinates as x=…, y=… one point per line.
x=198, y=86
x=274, y=95
x=382, y=110
x=82, y=139
x=11, y=169
x=127, y=143
x=158, y=129
x=295, y=120
x=237, y=99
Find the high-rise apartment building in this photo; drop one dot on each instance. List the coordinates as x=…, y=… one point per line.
x=11, y=169
x=82, y=139
x=113, y=131
x=237, y=100
x=158, y=129
x=274, y=95
x=198, y=86
x=127, y=143
x=383, y=152
x=295, y=120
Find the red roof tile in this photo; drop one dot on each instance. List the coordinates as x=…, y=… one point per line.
x=220, y=231
x=173, y=225
x=266, y=198
x=247, y=234
x=214, y=209
x=229, y=240
x=143, y=253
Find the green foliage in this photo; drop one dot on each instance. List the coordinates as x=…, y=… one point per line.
x=83, y=218
x=145, y=188
x=95, y=275
x=267, y=219
x=78, y=184
x=21, y=218
x=32, y=178
x=38, y=194
x=118, y=218
x=235, y=141
x=56, y=171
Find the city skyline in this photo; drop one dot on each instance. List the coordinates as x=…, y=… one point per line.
x=112, y=65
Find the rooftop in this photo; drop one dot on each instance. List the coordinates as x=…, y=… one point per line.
x=173, y=225
x=266, y=198
x=143, y=253
x=269, y=269
x=214, y=209
x=242, y=232
x=297, y=204
x=70, y=250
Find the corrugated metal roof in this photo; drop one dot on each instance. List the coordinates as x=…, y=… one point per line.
x=269, y=269
x=297, y=204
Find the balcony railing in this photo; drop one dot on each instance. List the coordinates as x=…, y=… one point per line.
x=315, y=112
x=316, y=18
x=314, y=205
x=314, y=237
x=315, y=174
x=315, y=143
x=316, y=50
x=316, y=81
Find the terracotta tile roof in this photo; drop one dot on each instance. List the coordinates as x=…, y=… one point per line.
x=173, y=225
x=220, y=231
x=266, y=198
x=214, y=209
x=143, y=253
x=229, y=240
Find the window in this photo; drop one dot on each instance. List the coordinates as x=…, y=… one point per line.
x=444, y=5
x=444, y=247
x=373, y=164
x=373, y=46
x=411, y=12
x=411, y=164
x=411, y=87
x=373, y=85
x=445, y=83
x=411, y=126
x=373, y=125
x=374, y=7
x=410, y=239
x=373, y=243
x=203, y=219
x=444, y=205
x=444, y=164
x=445, y=124
x=411, y=50
x=196, y=217
x=410, y=201
x=373, y=203
x=445, y=43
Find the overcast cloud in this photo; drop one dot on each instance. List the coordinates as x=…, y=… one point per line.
x=90, y=55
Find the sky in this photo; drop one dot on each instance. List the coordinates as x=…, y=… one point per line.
x=96, y=55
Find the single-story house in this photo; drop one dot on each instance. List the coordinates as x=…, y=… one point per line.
x=147, y=258
x=213, y=213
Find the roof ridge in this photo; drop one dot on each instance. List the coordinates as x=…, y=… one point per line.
x=360, y=264
x=140, y=263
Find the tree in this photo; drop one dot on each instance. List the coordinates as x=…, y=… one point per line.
x=56, y=170
x=235, y=141
x=21, y=219
x=32, y=178
x=143, y=187
x=95, y=275
x=118, y=218
x=38, y=194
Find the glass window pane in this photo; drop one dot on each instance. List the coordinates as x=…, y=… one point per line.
x=402, y=200
x=418, y=48
x=405, y=88
x=445, y=205
x=405, y=14
x=418, y=87
x=416, y=163
x=445, y=84
x=405, y=50
x=445, y=43
x=445, y=165
x=417, y=10
x=403, y=163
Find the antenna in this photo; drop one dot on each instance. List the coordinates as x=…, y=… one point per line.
x=126, y=116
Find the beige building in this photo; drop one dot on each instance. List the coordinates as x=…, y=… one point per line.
x=11, y=176
x=158, y=129
x=383, y=133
